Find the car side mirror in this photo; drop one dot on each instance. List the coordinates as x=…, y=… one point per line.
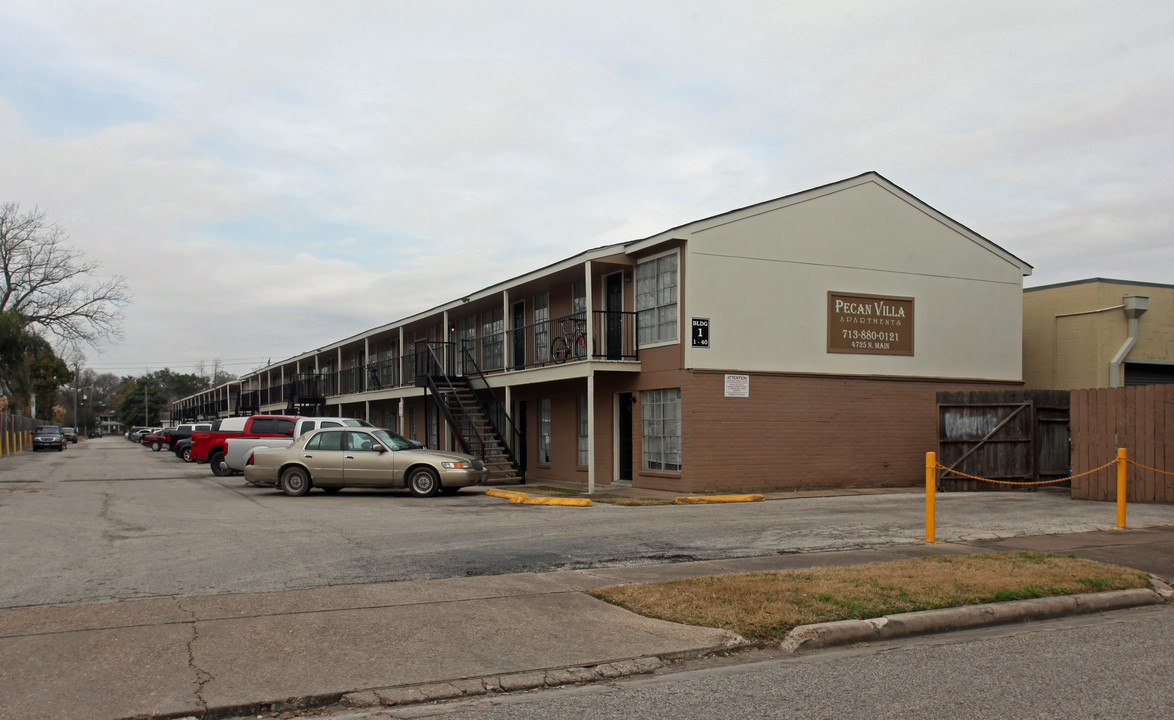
x=378, y=448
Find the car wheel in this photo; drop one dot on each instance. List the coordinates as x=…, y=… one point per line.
x=219, y=468
x=295, y=482
x=332, y=489
x=187, y=455
x=156, y=447
x=423, y=482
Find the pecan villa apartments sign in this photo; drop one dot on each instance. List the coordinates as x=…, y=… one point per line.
x=870, y=324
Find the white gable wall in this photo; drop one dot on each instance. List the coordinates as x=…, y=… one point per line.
x=762, y=276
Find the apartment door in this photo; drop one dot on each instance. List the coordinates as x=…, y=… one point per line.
x=614, y=294
x=519, y=333
x=624, y=436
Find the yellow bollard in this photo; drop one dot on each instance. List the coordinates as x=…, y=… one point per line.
x=1122, y=461
x=931, y=510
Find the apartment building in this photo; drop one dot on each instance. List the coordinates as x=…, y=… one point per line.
x=799, y=342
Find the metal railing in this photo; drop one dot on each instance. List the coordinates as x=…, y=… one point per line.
x=550, y=342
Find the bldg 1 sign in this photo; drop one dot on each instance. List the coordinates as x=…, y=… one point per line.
x=870, y=324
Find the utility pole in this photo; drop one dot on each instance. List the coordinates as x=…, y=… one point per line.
x=76, y=382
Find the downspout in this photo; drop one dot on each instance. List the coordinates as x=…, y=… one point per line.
x=1135, y=306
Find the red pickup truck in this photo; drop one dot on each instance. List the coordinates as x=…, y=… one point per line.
x=210, y=446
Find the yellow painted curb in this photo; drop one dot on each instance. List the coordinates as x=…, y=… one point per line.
x=507, y=494
x=574, y=502
x=718, y=499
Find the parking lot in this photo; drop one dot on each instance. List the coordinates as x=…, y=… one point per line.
x=108, y=520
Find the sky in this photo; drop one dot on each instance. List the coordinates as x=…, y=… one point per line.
x=272, y=176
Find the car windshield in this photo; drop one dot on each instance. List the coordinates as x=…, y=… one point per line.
x=392, y=440
x=48, y=430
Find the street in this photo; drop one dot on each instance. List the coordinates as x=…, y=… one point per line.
x=107, y=520
x=1110, y=666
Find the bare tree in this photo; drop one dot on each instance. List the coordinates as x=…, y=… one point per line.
x=51, y=285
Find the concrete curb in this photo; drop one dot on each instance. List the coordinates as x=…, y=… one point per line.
x=927, y=622
x=693, y=499
x=511, y=682
x=521, y=498
x=566, y=502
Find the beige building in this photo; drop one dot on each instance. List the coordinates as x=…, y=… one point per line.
x=794, y=343
x=1098, y=333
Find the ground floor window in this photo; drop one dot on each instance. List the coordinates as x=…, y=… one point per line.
x=583, y=431
x=544, y=431
x=661, y=420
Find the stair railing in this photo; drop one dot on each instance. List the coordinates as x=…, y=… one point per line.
x=436, y=384
x=492, y=408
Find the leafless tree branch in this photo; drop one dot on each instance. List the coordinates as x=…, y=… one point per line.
x=51, y=284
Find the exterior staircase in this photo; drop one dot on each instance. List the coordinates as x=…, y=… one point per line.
x=476, y=417
x=471, y=421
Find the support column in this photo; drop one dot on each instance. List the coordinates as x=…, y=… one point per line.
x=590, y=431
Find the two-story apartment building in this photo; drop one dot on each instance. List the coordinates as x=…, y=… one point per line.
x=798, y=342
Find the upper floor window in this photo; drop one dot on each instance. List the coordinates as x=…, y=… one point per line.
x=579, y=299
x=656, y=299
x=542, y=327
x=466, y=343
x=492, y=340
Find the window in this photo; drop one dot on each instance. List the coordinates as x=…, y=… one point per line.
x=492, y=340
x=583, y=430
x=544, y=431
x=325, y=441
x=466, y=343
x=359, y=441
x=656, y=299
x=542, y=327
x=579, y=309
x=662, y=429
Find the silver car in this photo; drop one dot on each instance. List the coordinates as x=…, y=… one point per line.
x=334, y=458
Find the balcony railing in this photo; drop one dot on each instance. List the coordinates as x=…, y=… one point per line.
x=551, y=342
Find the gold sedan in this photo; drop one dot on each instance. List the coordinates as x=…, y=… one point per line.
x=334, y=458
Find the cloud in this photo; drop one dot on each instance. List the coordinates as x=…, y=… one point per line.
x=278, y=175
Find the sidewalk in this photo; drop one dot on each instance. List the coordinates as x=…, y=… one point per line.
x=235, y=654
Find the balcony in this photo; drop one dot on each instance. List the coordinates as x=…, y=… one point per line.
x=554, y=342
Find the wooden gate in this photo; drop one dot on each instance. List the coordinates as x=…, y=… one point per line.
x=1009, y=435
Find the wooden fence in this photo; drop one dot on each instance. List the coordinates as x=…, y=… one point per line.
x=1139, y=419
x=1013, y=436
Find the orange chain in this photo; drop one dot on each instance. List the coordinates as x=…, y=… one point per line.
x=1036, y=482
x=1149, y=468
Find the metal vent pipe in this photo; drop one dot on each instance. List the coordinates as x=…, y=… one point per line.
x=1135, y=307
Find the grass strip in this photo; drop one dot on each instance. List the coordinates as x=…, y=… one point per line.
x=764, y=606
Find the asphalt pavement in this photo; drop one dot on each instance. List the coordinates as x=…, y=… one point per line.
x=399, y=643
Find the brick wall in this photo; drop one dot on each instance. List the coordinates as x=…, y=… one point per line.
x=806, y=431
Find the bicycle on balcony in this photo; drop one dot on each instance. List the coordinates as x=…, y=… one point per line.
x=570, y=342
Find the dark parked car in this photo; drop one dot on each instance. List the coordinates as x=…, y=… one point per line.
x=155, y=440
x=95, y=433
x=70, y=434
x=48, y=437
